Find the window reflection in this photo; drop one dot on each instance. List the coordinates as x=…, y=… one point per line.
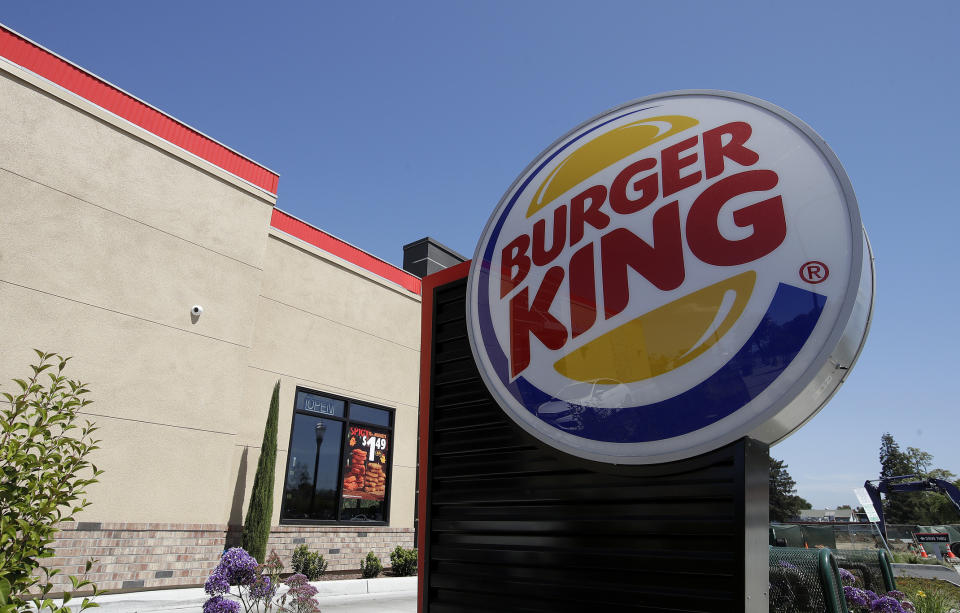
x=359, y=510
x=312, y=479
x=370, y=415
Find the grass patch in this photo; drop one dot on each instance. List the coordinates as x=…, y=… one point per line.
x=910, y=585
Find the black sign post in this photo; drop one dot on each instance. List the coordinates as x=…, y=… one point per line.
x=510, y=524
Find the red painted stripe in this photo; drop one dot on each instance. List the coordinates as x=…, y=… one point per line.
x=333, y=245
x=40, y=61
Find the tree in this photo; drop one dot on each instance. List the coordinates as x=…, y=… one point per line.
x=893, y=461
x=784, y=502
x=901, y=508
x=914, y=507
x=256, y=527
x=44, y=473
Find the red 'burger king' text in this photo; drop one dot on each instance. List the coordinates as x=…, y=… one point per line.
x=634, y=189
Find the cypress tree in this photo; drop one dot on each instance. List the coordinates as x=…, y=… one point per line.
x=256, y=527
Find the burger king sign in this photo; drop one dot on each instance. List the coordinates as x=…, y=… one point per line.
x=670, y=276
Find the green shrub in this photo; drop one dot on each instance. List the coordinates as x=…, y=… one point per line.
x=371, y=566
x=308, y=563
x=256, y=527
x=44, y=473
x=403, y=562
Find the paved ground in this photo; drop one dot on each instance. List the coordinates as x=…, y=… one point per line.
x=384, y=595
x=370, y=603
x=406, y=603
x=928, y=571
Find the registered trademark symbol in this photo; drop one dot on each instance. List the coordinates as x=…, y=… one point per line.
x=814, y=272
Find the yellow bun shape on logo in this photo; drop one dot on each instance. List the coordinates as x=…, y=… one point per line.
x=662, y=339
x=603, y=151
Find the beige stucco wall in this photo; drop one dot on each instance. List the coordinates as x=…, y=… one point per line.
x=108, y=236
x=327, y=325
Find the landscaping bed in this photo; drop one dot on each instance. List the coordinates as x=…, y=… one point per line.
x=910, y=586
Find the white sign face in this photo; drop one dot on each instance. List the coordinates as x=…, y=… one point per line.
x=667, y=278
x=867, y=504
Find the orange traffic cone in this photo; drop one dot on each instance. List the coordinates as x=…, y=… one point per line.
x=923, y=552
x=950, y=555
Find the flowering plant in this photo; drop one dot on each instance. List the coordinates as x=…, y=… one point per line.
x=256, y=586
x=860, y=600
x=238, y=568
x=933, y=601
x=300, y=595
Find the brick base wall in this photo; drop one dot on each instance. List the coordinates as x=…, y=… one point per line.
x=342, y=546
x=147, y=556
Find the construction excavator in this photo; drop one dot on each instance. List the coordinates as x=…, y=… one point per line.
x=918, y=483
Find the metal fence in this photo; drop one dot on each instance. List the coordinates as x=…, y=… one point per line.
x=804, y=581
x=843, y=535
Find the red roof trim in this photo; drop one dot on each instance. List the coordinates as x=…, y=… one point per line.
x=333, y=245
x=67, y=75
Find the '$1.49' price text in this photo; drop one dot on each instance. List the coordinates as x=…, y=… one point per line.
x=374, y=443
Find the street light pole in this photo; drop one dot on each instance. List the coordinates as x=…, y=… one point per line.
x=319, y=430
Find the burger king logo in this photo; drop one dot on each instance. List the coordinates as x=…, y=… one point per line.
x=670, y=276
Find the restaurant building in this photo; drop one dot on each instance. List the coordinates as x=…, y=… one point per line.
x=156, y=258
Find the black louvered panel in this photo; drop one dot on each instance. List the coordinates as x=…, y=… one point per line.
x=513, y=525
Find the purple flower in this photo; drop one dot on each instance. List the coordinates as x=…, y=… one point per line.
x=300, y=586
x=855, y=596
x=900, y=596
x=886, y=604
x=847, y=577
x=219, y=604
x=301, y=594
x=262, y=589
x=216, y=583
x=237, y=566
x=297, y=579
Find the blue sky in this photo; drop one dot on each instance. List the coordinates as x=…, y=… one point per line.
x=392, y=121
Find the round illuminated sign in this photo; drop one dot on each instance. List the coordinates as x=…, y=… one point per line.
x=670, y=276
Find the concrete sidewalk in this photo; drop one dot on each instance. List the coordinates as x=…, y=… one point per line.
x=928, y=571
x=338, y=595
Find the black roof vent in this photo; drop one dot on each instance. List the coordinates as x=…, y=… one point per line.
x=427, y=256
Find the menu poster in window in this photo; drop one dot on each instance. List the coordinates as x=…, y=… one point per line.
x=366, y=472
